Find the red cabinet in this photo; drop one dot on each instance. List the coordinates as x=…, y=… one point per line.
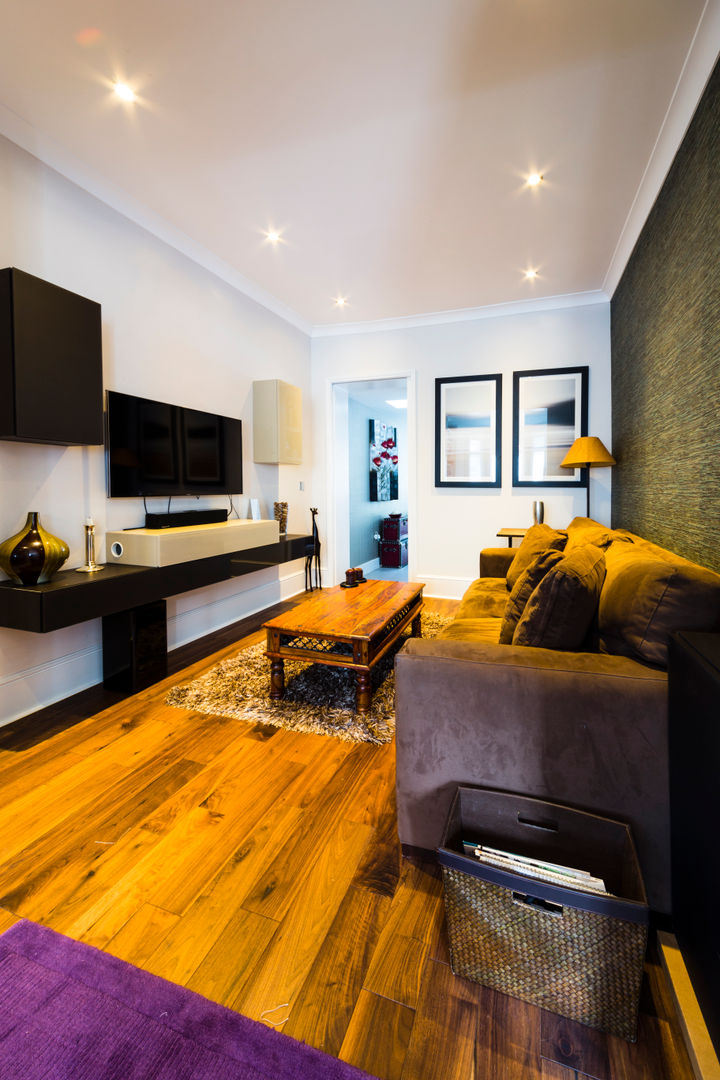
x=393, y=541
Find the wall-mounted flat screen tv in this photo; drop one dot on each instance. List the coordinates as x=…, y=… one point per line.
x=153, y=448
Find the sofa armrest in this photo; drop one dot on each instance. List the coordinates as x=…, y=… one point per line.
x=495, y=562
x=584, y=729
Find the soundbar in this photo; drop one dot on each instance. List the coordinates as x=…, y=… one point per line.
x=166, y=547
x=180, y=518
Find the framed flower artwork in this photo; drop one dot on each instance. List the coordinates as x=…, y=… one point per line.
x=383, y=462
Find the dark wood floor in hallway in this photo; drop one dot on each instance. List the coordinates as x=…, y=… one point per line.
x=261, y=868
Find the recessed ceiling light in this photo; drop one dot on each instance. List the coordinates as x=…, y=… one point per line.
x=273, y=237
x=530, y=274
x=123, y=91
x=534, y=179
x=340, y=301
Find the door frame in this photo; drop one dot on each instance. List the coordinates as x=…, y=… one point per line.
x=338, y=509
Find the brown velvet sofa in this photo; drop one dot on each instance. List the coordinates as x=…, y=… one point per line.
x=581, y=722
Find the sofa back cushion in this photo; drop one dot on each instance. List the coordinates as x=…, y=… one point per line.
x=560, y=611
x=486, y=596
x=523, y=589
x=582, y=531
x=647, y=596
x=537, y=539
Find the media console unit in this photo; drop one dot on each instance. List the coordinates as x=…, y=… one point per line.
x=130, y=600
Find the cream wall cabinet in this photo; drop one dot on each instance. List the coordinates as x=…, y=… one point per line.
x=277, y=423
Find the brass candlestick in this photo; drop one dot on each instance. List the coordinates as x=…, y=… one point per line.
x=90, y=565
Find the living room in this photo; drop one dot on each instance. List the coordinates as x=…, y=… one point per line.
x=182, y=324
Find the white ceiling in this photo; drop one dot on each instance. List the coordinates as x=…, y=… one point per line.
x=388, y=140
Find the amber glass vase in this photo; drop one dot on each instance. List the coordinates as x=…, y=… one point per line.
x=33, y=555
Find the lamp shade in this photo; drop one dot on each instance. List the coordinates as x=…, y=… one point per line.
x=586, y=452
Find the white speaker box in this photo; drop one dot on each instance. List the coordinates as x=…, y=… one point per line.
x=165, y=547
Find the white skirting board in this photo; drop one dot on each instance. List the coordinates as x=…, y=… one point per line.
x=697, y=1039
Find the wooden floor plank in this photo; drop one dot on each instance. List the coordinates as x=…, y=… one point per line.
x=509, y=1040
x=325, y=1004
x=288, y=962
x=246, y=937
x=396, y=969
x=7, y=919
x=550, y=1070
x=443, y=1040
x=39, y=875
x=274, y=890
x=138, y=938
x=380, y=868
x=182, y=951
x=378, y=1036
x=575, y=1046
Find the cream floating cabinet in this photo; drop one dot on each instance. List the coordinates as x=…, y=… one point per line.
x=277, y=423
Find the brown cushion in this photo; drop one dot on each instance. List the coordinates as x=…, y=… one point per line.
x=646, y=598
x=486, y=596
x=561, y=609
x=522, y=590
x=594, y=534
x=538, y=538
x=482, y=630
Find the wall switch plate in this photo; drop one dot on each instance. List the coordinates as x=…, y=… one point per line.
x=301, y=485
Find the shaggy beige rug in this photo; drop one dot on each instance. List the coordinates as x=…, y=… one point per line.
x=318, y=699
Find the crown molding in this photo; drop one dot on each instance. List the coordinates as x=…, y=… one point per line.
x=490, y=311
x=52, y=154
x=699, y=63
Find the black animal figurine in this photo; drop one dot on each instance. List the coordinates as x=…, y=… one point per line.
x=312, y=557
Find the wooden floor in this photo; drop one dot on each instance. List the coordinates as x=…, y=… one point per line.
x=261, y=868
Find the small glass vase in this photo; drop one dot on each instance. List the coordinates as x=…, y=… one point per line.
x=33, y=555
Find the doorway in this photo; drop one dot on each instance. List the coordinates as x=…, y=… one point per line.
x=362, y=504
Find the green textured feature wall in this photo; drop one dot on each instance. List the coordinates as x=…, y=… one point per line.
x=665, y=327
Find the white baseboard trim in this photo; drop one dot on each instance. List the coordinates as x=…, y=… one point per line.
x=29, y=689
x=26, y=691
x=369, y=566
x=187, y=624
x=443, y=588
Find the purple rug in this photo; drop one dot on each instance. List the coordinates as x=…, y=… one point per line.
x=71, y=1012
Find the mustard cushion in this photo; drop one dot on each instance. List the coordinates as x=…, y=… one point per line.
x=646, y=598
x=486, y=596
x=537, y=539
x=594, y=534
x=559, y=612
x=523, y=589
x=482, y=630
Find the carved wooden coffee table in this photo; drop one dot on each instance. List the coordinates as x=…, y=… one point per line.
x=351, y=628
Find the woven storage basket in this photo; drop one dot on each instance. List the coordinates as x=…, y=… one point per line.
x=575, y=953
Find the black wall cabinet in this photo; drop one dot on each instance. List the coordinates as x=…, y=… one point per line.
x=51, y=388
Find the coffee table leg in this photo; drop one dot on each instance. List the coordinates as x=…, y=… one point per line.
x=277, y=679
x=417, y=626
x=364, y=691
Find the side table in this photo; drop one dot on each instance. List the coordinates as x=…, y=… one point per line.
x=511, y=534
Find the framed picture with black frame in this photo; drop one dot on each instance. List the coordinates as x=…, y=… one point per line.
x=550, y=411
x=468, y=431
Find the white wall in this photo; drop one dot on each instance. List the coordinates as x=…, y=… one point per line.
x=172, y=331
x=451, y=526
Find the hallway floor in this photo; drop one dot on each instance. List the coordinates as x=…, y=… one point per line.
x=388, y=573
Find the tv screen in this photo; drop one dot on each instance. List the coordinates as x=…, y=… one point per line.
x=154, y=448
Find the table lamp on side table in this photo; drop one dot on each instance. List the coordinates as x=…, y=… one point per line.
x=586, y=453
